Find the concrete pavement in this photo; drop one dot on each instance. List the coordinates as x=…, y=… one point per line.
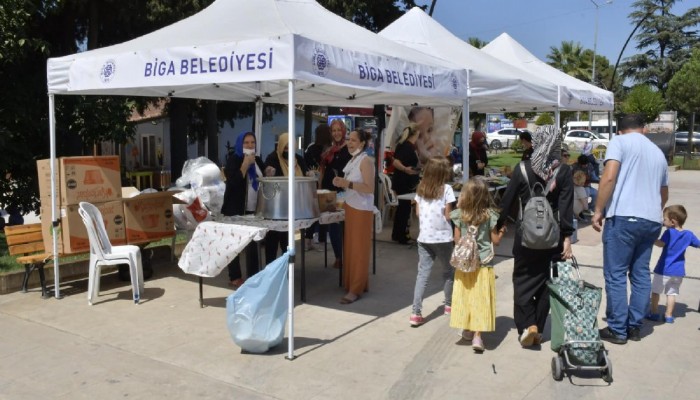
x=168, y=347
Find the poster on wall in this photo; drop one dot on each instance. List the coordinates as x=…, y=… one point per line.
x=495, y=122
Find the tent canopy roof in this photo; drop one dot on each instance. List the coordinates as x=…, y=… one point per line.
x=574, y=94
x=243, y=50
x=494, y=85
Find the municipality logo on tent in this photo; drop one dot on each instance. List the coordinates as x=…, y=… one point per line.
x=109, y=68
x=320, y=62
x=455, y=84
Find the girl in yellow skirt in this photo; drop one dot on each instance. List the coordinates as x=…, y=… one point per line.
x=474, y=293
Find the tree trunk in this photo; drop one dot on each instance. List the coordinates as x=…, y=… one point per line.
x=212, y=132
x=308, y=120
x=178, y=136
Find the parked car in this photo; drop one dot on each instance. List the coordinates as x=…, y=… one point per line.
x=503, y=137
x=576, y=139
x=682, y=141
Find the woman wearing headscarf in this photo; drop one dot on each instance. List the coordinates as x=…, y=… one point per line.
x=332, y=163
x=276, y=165
x=405, y=180
x=478, y=160
x=531, y=268
x=243, y=169
x=359, y=211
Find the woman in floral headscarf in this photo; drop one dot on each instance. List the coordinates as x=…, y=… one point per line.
x=531, y=267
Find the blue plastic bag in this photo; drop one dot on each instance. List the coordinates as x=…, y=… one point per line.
x=256, y=313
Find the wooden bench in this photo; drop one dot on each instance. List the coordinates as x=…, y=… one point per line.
x=26, y=244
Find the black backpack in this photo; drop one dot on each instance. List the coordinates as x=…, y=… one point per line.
x=539, y=229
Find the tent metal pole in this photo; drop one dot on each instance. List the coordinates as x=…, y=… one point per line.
x=258, y=124
x=54, y=214
x=557, y=120
x=465, y=134
x=290, y=215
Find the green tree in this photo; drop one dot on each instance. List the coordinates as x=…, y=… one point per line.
x=544, y=119
x=374, y=15
x=643, y=99
x=684, y=88
x=665, y=41
x=476, y=42
x=31, y=31
x=23, y=102
x=572, y=59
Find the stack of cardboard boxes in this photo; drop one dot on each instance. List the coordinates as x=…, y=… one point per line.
x=97, y=180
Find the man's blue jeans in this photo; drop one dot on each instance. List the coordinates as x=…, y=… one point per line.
x=627, y=244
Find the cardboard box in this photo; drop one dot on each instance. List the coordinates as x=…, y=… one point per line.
x=149, y=217
x=43, y=168
x=73, y=236
x=91, y=179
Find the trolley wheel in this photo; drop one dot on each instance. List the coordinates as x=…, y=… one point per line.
x=557, y=368
x=606, y=374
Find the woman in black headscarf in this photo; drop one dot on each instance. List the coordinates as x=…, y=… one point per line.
x=243, y=168
x=531, y=267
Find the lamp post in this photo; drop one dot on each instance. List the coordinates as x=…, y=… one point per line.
x=595, y=44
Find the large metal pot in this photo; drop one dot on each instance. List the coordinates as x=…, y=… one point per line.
x=273, y=195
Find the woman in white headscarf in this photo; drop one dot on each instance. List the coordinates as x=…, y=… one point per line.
x=531, y=267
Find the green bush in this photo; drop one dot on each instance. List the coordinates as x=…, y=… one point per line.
x=544, y=119
x=516, y=146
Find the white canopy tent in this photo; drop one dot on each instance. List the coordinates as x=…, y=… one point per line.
x=493, y=84
x=275, y=51
x=573, y=94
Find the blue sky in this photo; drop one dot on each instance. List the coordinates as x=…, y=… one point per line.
x=540, y=24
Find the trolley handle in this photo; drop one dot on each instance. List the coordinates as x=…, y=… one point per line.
x=554, y=270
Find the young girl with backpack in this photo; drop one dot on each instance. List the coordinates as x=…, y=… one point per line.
x=434, y=198
x=474, y=297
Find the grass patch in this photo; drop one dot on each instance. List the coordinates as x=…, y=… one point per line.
x=511, y=158
x=7, y=262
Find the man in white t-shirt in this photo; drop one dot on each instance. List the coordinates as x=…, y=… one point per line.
x=631, y=195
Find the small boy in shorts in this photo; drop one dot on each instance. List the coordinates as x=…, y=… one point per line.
x=670, y=269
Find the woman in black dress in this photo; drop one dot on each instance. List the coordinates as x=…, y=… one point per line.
x=312, y=157
x=332, y=163
x=276, y=165
x=531, y=269
x=405, y=180
x=243, y=168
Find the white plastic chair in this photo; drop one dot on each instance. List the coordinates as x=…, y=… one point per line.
x=103, y=253
x=390, y=199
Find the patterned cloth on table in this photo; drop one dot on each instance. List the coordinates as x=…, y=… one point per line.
x=214, y=245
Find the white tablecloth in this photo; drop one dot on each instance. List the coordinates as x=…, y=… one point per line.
x=326, y=217
x=269, y=224
x=214, y=245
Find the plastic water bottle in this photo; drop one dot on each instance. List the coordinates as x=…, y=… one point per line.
x=574, y=236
